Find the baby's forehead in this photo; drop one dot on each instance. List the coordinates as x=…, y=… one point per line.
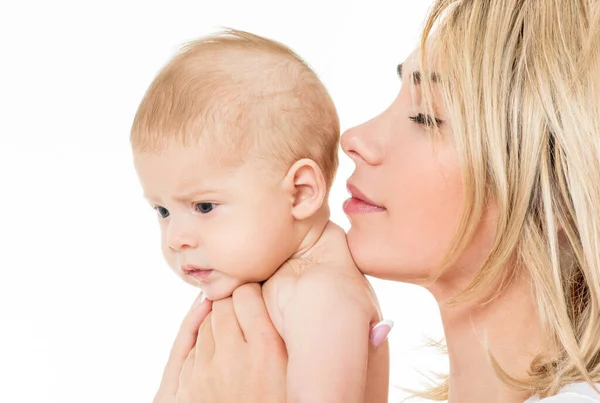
x=228, y=181
x=185, y=174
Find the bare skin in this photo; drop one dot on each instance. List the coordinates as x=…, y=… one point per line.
x=324, y=287
x=420, y=192
x=316, y=298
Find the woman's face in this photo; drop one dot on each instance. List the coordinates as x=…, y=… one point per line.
x=416, y=182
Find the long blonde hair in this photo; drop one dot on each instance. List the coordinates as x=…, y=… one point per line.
x=520, y=81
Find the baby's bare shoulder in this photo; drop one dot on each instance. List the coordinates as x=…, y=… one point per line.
x=340, y=280
x=327, y=270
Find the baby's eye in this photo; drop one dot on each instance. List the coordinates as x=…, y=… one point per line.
x=162, y=212
x=204, y=208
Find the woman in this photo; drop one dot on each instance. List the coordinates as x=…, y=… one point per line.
x=485, y=172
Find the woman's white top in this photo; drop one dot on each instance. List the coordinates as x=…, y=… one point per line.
x=573, y=393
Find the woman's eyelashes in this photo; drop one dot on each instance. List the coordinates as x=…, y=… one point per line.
x=426, y=120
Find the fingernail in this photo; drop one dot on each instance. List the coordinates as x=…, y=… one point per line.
x=200, y=299
x=380, y=332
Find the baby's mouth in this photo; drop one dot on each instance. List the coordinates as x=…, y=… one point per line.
x=199, y=273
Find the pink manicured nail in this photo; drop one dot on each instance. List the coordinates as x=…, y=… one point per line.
x=380, y=332
x=200, y=299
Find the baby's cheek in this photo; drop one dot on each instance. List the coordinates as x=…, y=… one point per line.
x=241, y=259
x=248, y=250
x=169, y=257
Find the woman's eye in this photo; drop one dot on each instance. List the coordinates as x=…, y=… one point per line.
x=205, y=208
x=162, y=212
x=426, y=120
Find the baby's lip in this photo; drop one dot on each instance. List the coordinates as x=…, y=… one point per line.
x=189, y=269
x=197, y=273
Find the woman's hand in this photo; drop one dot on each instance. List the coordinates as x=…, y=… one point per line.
x=239, y=355
x=231, y=354
x=184, y=343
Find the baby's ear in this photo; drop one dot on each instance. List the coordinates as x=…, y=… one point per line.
x=306, y=185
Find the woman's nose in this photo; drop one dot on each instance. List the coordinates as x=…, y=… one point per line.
x=363, y=144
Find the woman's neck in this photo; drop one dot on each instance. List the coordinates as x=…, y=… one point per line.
x=508, y=325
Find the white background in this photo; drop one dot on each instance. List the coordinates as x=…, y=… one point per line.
x=88, y=308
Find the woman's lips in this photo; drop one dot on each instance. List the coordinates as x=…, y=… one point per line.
x=359, y=203
x=353, y=205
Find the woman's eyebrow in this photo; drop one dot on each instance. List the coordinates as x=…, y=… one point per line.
x=416, y=75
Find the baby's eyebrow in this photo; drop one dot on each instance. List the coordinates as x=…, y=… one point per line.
x=196, y=192
x=186, y=195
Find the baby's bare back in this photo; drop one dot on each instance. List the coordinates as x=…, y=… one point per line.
x=330, y=262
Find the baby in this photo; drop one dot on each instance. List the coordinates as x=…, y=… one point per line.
x=235, y=144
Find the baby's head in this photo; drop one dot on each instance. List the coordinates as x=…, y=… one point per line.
x=235, y=144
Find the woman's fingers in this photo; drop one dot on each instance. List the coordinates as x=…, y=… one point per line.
x=188, y=365
x=252, y=314
x=205, y=343
x=229, y=368
x=184, y=342
x=226, y=328
x=188, y=331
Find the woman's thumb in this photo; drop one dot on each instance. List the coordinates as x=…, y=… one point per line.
x=380, y=332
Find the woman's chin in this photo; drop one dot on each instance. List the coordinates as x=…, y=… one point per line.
x=385, y=263
x=376, y=266
x=397, y=275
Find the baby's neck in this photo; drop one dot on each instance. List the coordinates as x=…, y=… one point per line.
x=311, y=233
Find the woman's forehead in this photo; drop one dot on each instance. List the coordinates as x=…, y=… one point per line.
x=413, y=60
x=411, y=63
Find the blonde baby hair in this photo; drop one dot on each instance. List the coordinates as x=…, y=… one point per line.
x=246, y=96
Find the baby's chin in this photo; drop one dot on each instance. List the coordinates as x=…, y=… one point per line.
x=217, y=287
x=215, y=295
x=216, y=290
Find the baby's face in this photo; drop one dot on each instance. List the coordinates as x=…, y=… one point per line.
x=220, y=227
